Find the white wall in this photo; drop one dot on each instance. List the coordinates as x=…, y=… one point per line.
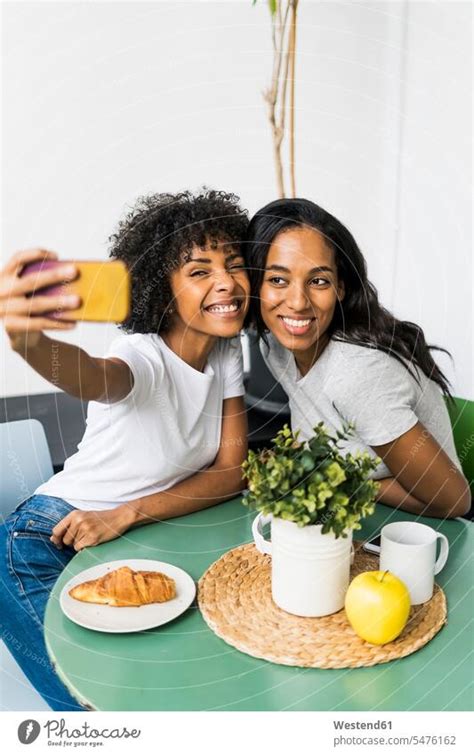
x=432, y=280
x=105, y=101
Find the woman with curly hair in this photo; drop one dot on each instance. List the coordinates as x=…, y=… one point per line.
x=166, y=430
x=343, y=358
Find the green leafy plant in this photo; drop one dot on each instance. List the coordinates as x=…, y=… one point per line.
x=311, y=482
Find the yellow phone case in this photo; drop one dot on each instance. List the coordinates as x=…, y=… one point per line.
x=105, y=291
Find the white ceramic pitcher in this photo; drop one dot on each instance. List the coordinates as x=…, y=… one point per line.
x=310, y=571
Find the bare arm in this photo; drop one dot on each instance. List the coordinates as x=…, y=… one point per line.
x=219, y=482
x=425, y=480
x=393, y=494
x=76, y=372
x=66, y=366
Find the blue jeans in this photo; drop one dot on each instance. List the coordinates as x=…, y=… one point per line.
x=29, y=567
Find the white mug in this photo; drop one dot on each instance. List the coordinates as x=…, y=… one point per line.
x=408, y=550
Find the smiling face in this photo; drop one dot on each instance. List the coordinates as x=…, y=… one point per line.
x=300, y=290
x=211, y=293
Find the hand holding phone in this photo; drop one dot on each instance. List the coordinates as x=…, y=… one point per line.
x=24, y=318
x=102, y=290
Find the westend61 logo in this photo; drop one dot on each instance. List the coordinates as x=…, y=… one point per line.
x=58, y=734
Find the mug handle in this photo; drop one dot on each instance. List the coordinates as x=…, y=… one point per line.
x=262, y=545
x=443, y=552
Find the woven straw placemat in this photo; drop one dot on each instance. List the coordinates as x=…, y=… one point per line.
x=235, y=600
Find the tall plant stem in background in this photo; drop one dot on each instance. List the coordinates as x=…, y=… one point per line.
x=272, y=96
x=283, y=16
x=292, y=60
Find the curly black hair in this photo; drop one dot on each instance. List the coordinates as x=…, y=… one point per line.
x=158, y=235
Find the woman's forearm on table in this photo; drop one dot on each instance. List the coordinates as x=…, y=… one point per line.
x=391, y=493
x=202, y=490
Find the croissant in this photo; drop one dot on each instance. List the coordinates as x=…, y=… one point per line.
x=125, y=587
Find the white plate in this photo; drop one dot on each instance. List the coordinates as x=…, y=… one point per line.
x=112, y=619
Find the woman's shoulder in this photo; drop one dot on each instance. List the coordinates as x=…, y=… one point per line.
x=271, y=349
x=346, y=349
x=137, y=345
x=226, y=349
x=361, y=356
x=337, y=353
x=371, y=370
x=136, y=340
x=278, y=360
x=276, y=356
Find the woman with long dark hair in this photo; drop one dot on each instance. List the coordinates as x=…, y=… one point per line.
x=343, y=358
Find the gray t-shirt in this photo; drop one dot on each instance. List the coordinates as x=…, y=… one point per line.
x=364, y=386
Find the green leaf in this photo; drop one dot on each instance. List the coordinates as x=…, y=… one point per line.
x=335, y=474
x=307, y=461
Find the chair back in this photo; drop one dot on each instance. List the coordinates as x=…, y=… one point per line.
x=25, y=462
x=461, y=413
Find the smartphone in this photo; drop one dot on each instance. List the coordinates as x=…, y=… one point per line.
x=104, y=289
x=372, y=546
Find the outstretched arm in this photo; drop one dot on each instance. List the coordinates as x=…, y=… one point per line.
x=425, y=480
x=219, y=482
x=76, y=372
x=25, y=317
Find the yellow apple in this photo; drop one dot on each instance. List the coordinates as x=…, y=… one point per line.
x=377, y=606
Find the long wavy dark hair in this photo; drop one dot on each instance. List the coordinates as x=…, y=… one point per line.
x=359, y=318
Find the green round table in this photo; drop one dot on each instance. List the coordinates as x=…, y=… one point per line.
x=184, y=666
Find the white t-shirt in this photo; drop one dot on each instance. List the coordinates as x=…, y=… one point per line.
x=166, y=429
x=367, y=387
